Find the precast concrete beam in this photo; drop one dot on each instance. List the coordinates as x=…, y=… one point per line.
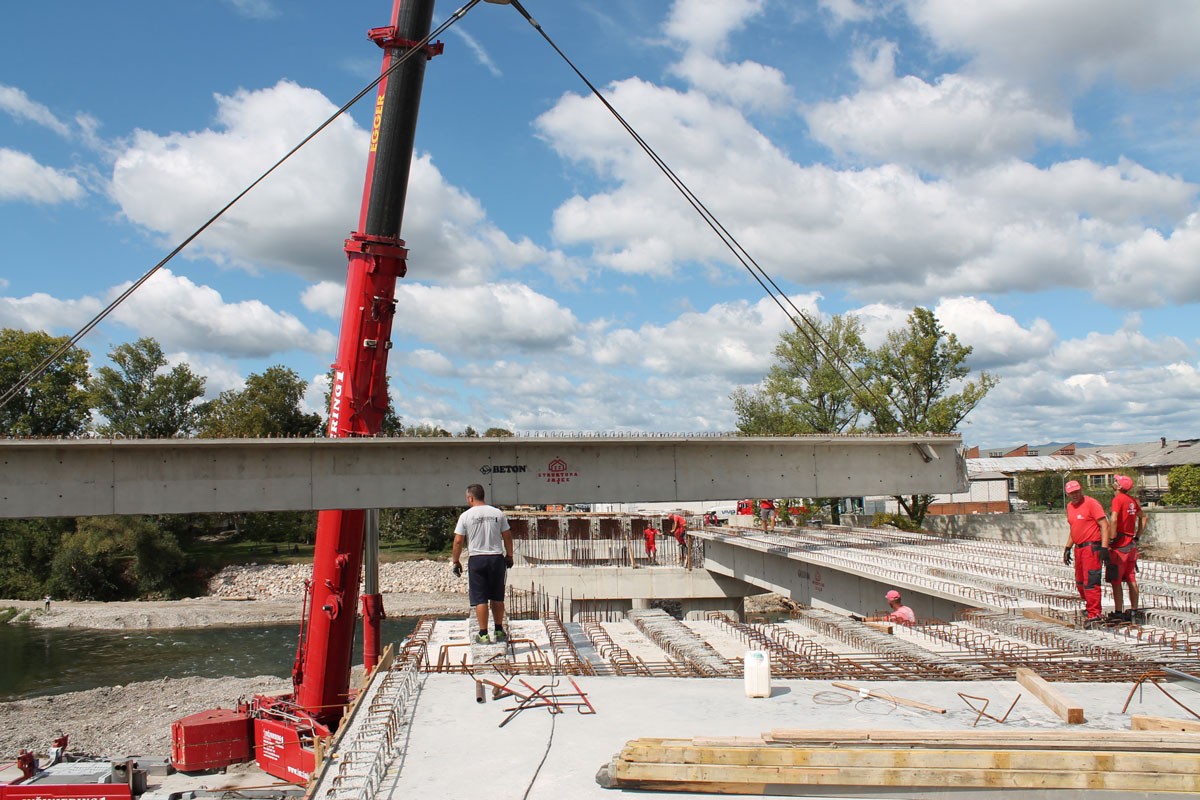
x=92, y=477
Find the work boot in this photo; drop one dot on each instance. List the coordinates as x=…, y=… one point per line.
x=482, y=638
x=499, y=635
x=1117, y=616
x=1093, y=622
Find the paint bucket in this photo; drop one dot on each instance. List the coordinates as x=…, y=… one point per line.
x=758, y=674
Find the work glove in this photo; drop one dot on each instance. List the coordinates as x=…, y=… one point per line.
x=1103, y=555
x=508, y=561
x=1067, y=555
x=457, y=570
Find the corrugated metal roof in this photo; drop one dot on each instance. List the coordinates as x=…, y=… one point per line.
x=1175, y=454
x=1075, y=463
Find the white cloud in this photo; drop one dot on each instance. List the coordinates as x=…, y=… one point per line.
x=16, y=103
x=22, y=178
x=997, y=340
x=705, y=25
x=956, y=121
x=40, y=311
x=1144, y=44
x=255, y=9
x=748, y=84
x=843, y=11
x=481, y=54
x=181, y=315
x=297, y=219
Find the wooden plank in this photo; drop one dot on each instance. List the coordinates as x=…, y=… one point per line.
x=634, y=775
x=1045, y=759
x=1029, y=613
x=1037, y=686
x=1141, y=722
x=882, y=627
x=900, y=701
x=1061, y=739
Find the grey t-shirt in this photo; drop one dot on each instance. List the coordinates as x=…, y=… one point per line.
x=482, y=525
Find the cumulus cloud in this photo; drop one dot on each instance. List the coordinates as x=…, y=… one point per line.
x=747, y=84
x=956, y=121
x=182, y=315
x=297, y=218
x=1150, y=43
x=706, y=26
x=882, y=232
x=22, y=178
x=41, y=311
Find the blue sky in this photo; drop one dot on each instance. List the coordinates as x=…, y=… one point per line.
x=1026, y=169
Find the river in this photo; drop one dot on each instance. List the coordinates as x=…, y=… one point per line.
x=47, y=661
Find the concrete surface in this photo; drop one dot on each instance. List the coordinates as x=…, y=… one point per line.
x=458, y=752
x=96, y=477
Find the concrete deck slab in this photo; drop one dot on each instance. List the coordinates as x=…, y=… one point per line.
x=457, y=750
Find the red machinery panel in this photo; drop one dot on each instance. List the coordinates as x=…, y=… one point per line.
x=281, y=753
x=65, y=791
x=211, y=739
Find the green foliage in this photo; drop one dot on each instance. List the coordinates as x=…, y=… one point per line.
x=901, y=521
x=140, y=398
x=429, y=528
x=917, y=367
x=27, y=549
x=390, y=425
x=497, y=433
x=297, y=527
x=269, y=405
x=1042, y=489
x=426, y=430
x=54, y=404
x=811, y=387
x=1183, y=486
x=159, y=563
x=87, y=565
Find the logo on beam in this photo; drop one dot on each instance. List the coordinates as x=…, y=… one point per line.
x=557, y=472
x=488, y=469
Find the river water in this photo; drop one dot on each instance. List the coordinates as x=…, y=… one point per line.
x=44, y=661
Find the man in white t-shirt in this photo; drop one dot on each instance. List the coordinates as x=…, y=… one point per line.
x=484, y=530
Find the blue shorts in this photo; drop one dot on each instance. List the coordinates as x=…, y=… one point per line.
x=485, y=579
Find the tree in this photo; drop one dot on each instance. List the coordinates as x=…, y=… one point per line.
x=88, y=564
x=142, y=399
x=812, y=386
x=497, y=433
x=269, y=405
x=426, y=430
x=431, y=528
x=53, y=404
x=27, y=549
x=1183, y=484
x=917, y=369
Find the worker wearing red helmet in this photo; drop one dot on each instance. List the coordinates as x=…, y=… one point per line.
x=1089, y=534
x=1128, y=522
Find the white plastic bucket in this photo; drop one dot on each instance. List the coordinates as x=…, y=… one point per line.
x=758, y=673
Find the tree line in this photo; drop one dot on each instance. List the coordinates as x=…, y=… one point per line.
x=826, y=380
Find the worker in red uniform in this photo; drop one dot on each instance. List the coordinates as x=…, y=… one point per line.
x=1089, y=535
x=1128, y=522
x=677, y=526
x=651, y=534
x=899, y=612
x=767, y=513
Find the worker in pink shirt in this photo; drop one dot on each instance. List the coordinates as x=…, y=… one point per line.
x=1128, y=523
x=1089, y=535
x=899, y=612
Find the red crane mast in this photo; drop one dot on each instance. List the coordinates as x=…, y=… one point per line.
x=279, y=732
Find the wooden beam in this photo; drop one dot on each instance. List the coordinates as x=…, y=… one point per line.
x=1141, y=722
x=1037, y=686
x=882, y=627
x=1029, y=613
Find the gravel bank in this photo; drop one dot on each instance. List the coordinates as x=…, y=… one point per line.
x=131, y=720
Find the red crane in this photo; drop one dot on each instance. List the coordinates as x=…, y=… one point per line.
x=280, y=732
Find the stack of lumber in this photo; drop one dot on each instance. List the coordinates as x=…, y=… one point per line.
x=794, y=762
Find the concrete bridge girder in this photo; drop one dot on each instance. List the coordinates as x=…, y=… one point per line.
x=86, y=477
